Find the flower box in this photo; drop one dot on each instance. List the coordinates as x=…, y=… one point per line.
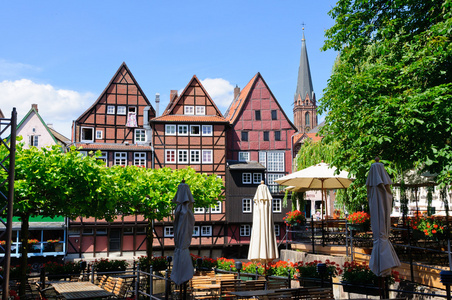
x=366, y=289
x=359, y=227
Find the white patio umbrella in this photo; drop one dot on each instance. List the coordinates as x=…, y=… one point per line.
x=383, y=257
x=184, y=221
x=263, y=246
x=317, y=177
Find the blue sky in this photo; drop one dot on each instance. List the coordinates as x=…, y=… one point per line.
x=62, y=54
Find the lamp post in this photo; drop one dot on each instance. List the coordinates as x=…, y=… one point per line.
x=238, y=266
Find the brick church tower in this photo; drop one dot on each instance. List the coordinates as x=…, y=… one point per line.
x=305, y=106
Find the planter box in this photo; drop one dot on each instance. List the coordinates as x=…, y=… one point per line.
x=359, y=227
x=370, y=290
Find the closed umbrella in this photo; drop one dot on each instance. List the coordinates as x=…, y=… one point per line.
x=383, y=257
x=318, y=177
x=263, y=246
x=184, y=221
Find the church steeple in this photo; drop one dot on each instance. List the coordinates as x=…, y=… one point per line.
x=305, y=107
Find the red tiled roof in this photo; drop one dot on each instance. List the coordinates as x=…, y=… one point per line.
x=189, y=118
x=106, y=146
x=298, y=137
x=236, y=106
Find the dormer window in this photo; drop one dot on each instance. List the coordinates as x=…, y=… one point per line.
x=189, y=110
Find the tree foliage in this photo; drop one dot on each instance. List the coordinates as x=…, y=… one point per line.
x=390, y=91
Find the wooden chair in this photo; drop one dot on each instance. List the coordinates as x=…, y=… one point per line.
x=102, y=281
x=228, y=285
x=120, y=288
x=197, y=291
x=277, y=284
x=225, y=276
x=110, y=284
x=254, y=285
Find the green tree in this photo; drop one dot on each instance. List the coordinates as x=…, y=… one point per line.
x=390, y=91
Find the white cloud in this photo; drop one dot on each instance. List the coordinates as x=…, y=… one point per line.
x=12, y=70
x=220, y=90
x=56, y=106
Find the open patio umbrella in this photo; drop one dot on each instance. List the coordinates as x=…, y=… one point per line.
x=383, y=257
x=184, y=221
x=317, y=177
x=263, y=246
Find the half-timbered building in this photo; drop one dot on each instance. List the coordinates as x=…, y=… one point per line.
x=192, y=132
x=117, y=125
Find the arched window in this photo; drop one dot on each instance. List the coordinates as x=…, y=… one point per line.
x=307, y=119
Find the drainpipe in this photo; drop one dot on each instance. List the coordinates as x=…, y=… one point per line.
x=148, y=129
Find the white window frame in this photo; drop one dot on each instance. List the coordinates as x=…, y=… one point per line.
x=257, y=178
x=263, y=158
x=189, y=110
x=277, y=230
x=195, y=231
x=275, y=161
x=193, y=127
x=82, y=135
x=179, y=127
x=276, y=205
x=207, y=130
x=199, y=210
x=245, y=230
x=209, y=158
x=120, y=158
x=246, y=178
x=121, y=110
x=247, y=205
x=168, y=231
x=110, y=109
x=182, y=153
x=194, y=154
x=34, y=140
x=172, y=161
x=200, y=110
x=139, y=159
x=216, y=209
x=140, y=136
x=103, y=156
x=98, y=134
x=273, y=186
x=170, y=129
x=244, y=156
x=206, y=230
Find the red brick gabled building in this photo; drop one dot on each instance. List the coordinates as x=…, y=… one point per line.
x=192, y=132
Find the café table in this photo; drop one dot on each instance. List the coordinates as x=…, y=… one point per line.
x=80, y=290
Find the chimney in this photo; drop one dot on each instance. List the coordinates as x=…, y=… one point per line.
x=35, y=106
x=157, y=104
x=236, y=91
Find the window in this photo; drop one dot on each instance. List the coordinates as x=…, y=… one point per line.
x=244, y=156
x=263, y=158
x=111, y=109
x=277, y=230
x=307, y=119
x=34, y=140
x=275, y=161
x=73, y=232
x=141, y=230
x=182, y=129
x=200, y=110
x=195, y=231
x=170, y=156
x=266, y=136
x=207, y=130
x=257, y=115
x=206, y=156
x=120, y=158
x=216, y=209
x=277, y=135
x=206, y=230
x=245, y=230
x=87, y=231
x=273, y=186
x=199, y=210
x=257, y=178
x=274, y=114
x=128, y=230
x=246, y=178
x=140, y=136
x=101, y=231
x=189, y=110
x=194, y=130
x=87, y=134
x=132, y=109
x=98, y=134
x=183, y=156
x=276, y=204
x=83, y=153
x=121, y=110
x=194, y=156
x=168, y=231
x=170, y=129
x=139, y=159
x=247, y=205
x=245, y=136
x=103, y=156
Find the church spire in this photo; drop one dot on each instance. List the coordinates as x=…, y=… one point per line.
x=304, y=83
x=305, y=107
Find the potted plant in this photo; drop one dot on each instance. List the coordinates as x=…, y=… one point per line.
x=158, y=263
x=359, y=221
x=281, y=268
x=106, y=265
x=358, y=278
x=57, y=271
x=227, y=264
x=308, y=275
x=427, y=227
x=55, y=245
x=205, y=263
x=33, y=245
x=296, y=220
